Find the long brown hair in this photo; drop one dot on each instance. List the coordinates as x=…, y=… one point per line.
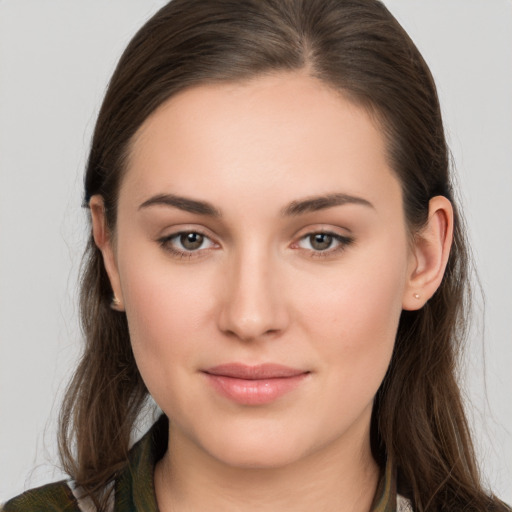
x=354, y=46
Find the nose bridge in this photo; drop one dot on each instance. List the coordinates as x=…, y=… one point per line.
x=253, y=303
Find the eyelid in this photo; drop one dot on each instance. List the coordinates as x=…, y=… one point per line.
x=343, y=241
x=166, y=243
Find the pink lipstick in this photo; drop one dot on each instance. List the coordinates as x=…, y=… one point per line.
x=254, y=385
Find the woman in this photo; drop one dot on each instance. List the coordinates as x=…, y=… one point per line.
x=276, y=257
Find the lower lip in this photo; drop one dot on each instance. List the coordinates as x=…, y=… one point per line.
x=254, y=392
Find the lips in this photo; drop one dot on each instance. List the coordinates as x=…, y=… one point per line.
x=254, y=385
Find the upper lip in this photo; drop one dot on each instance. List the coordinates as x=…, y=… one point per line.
x=254, y=372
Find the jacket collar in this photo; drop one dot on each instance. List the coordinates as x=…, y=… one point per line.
x=135, y=488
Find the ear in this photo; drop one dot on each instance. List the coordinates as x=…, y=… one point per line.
x=103, y=240
x=429, y=255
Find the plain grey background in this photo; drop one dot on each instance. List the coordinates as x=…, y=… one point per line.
x=56, y=57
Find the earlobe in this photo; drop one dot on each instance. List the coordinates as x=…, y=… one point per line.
x=429, y=255
x=103, y=240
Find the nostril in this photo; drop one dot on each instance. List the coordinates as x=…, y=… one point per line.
x=251, y=328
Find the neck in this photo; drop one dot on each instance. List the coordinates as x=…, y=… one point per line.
x=341, y=478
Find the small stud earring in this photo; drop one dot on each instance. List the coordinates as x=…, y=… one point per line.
x=416, y=295
x=116, y=303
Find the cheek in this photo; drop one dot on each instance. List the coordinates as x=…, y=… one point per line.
x=164, y=308
x=354, y=314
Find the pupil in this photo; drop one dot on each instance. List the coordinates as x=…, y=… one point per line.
x=321, y=241
x=191, y=241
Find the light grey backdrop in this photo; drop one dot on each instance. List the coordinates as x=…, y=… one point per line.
x=56, y=57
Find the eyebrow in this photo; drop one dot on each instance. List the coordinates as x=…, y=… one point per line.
x=182, y=203
x=295, y=208
x=313, y=204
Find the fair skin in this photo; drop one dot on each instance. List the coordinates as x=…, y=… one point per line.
x=317, y=287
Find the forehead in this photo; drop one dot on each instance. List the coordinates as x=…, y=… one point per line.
x=286, y=133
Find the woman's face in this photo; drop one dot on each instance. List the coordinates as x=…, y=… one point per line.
x=262, y=258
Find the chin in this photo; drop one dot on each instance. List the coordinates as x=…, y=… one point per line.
x=264, y=449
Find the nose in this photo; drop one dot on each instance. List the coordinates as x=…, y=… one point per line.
x=253, y=304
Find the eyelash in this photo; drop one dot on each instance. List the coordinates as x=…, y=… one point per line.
x=166, y=244
x=343, y=243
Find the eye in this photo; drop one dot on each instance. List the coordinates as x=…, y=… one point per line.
x=190, y=241
x=320, y=241
x=186, y=242
x=324, y=242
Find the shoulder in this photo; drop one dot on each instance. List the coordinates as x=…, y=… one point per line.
x=133, y=486
x=55, y=497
